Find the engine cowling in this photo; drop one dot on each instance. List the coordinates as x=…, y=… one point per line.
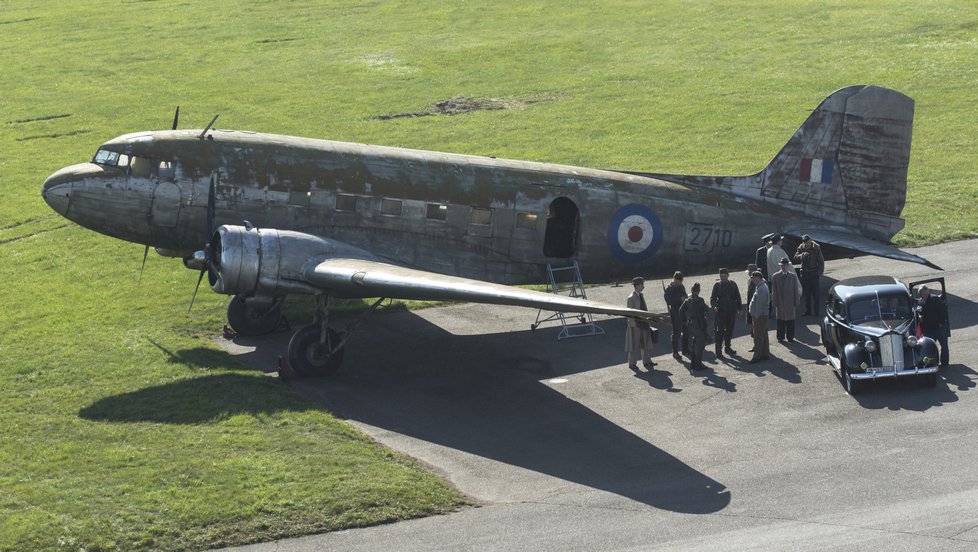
x=267, y=261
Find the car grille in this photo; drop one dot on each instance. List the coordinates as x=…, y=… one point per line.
x=891, y=352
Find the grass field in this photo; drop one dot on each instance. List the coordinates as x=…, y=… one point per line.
x=122, y=427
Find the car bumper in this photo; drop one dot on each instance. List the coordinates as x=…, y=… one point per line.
x=893, y=373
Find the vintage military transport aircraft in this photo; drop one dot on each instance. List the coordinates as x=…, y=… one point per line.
x=268, y=215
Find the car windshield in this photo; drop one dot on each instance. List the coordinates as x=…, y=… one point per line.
x=880, y=310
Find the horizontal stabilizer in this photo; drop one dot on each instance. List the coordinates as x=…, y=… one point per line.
x=849, y=239
x=366, y=278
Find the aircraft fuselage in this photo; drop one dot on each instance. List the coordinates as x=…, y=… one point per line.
x=476, y=217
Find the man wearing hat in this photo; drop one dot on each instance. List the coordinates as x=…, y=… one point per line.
x=726, y=303
x=758, y=308
x=674, y=295
x=812, y=265
x=933, y=321
x=760, y=256
x=638, y=334
x=750, y=291
x=786, y=296
x=693, y=312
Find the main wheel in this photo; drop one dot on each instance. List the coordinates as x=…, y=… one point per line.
x=250, y=320
x=310, y=358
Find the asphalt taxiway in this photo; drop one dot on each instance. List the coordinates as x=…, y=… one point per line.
x=566, y=448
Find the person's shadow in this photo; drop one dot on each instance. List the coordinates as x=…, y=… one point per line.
x=658, y=379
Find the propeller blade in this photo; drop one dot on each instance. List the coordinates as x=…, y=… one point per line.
x=145, y=254
x=176, y=117
x=194, y=297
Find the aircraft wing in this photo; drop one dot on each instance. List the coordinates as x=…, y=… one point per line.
x=851, y=240
x=370, y=278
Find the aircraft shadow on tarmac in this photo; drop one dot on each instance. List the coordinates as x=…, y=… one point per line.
x=481, y=394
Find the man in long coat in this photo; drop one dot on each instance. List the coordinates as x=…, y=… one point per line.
x=638, y=334
x=774, y=256
x=693, y=312
x=786, y=296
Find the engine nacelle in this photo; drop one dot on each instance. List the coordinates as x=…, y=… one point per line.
x=268, y=261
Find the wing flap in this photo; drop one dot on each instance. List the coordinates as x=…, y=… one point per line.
x=366, y=278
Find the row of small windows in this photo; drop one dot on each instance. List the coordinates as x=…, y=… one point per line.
x=434, y=211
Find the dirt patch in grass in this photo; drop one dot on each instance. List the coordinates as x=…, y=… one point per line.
x=460, y=105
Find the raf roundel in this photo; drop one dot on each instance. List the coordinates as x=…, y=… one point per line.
x=635, y=233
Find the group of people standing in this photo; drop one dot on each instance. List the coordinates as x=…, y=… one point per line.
x=774, y=289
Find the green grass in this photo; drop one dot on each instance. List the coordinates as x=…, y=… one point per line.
x=125, y=428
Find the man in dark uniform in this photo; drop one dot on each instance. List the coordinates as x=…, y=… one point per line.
x=674, y=295
x=933, y=321
x=760, y=256
x=809, y=256
x=693, y=312
x=726, y=303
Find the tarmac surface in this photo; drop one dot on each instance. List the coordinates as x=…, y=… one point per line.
x=566, y=448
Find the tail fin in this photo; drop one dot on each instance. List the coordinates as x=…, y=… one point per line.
x=846, y=164
x=848, y=161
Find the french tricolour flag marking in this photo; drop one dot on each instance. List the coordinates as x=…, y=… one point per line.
x=816, y=170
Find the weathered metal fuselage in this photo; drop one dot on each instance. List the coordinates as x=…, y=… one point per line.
x=477, y=217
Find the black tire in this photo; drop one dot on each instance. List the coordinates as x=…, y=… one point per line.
x=247, y=321
x=309, y=358
x=853, y=387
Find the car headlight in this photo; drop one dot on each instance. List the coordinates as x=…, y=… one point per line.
x=870, y=345
x=911, y=341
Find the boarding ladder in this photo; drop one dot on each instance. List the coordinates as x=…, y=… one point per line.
x=566, y=280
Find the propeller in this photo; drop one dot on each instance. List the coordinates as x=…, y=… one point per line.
x=176, y=118
x=208, y=249
x=143, y=266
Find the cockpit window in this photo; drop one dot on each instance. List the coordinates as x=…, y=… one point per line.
x=111, y=158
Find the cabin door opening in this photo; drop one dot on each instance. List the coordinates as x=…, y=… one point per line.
x=561, y=237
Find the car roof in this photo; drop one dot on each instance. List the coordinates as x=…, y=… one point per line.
x=868, y=285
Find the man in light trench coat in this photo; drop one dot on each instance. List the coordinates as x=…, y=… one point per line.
x=638, y=334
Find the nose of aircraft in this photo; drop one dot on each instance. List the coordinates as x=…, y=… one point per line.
x=57, y=188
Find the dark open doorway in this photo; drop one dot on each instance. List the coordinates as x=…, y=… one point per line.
x=561, y=237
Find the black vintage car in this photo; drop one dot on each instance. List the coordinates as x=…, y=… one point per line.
x=870, y=332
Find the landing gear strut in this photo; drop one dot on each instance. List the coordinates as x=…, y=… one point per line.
x=317, y=350
x=249, y=316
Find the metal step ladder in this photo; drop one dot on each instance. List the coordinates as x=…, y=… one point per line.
x=566, y=280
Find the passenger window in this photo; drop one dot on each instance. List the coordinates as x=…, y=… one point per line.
x=141, y=167
x=526, y=220
x=481, y=216
x=437, y=211
x=166, y=170
x=391, y=207
x=346, y=202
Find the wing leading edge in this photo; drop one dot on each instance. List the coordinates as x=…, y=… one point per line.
x=367, y=278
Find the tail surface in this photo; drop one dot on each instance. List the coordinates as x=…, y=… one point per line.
x=846, y=164
x=848, y=161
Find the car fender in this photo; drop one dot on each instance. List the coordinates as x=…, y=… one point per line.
x=856, y=356
x=927, y=347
